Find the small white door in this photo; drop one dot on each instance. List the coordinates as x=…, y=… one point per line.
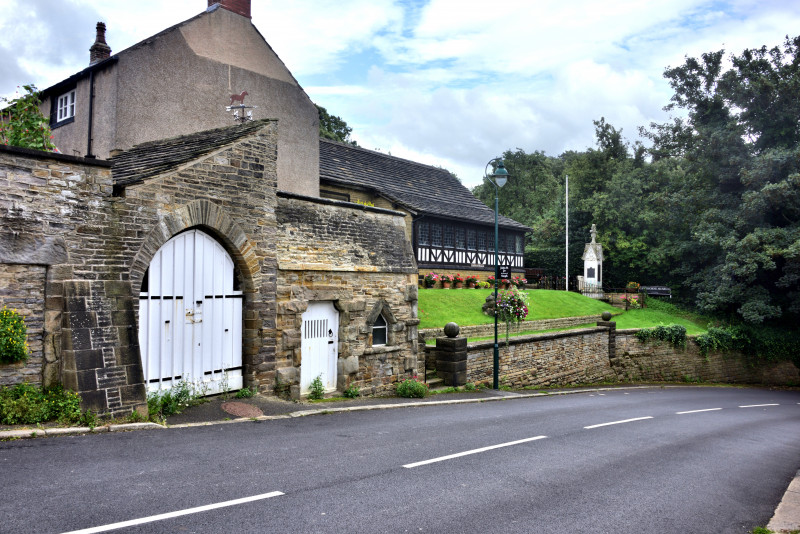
x=190, y=317
x=319, y=346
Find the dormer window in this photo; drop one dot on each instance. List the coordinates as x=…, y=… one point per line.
x=379, y=331
x=65, y=106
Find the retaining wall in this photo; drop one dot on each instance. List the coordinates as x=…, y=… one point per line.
x=590, y=355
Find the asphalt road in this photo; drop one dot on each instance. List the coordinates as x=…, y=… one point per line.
x=550, y=464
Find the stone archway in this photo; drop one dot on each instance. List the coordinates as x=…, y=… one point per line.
x=211, y=219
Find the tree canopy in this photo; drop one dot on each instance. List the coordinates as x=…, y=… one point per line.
x=333, y=127
x=711, y=207
x=22, y=123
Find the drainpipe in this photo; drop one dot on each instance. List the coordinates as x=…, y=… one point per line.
x=91, y=108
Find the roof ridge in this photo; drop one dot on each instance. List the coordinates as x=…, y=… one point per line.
x=383, y=154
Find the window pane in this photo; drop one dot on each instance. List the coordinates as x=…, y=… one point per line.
x=436, y=235
x=379, y=331
x=481, y=240
x=424, y=237
x=448, y=236
x=519, y=245
x=460, y=241
x=471, y=239
x=379, y=336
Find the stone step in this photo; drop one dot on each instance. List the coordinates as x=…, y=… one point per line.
x=435, y=383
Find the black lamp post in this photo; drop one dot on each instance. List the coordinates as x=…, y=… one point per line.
x=497, y=179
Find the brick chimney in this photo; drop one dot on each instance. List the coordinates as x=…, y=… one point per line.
x=240, y=7
x=99, y=50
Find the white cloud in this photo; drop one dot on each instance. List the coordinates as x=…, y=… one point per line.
x=446, y=82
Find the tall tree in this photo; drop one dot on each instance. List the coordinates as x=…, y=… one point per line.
x=741, y=149
x=333, y=127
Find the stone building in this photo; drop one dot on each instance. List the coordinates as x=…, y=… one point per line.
x=88, y=253
x=165, y=244
x=451, y=230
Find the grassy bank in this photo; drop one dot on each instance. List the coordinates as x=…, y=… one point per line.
x=438, y=307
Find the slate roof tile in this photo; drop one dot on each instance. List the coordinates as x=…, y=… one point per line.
x=420, y=188
x=157, y=157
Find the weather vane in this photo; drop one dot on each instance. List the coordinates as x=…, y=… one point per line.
x=240, y=108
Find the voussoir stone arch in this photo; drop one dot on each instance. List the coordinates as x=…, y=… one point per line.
x=202, y=214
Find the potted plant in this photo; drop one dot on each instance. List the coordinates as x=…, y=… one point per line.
x=471, y=281
x=632, y=287
x=458, y=281
x=430, y=279
x=446, y=280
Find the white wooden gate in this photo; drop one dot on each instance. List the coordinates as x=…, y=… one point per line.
x=319, y=345
x=190, y=318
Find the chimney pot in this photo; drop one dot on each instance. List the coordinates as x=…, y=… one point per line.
x=100, y=49
x=240, y=7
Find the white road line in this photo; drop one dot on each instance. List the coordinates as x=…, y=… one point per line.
x=160, y=517
x=473, y=451
x=618, y=422
x=758, y=405
x=698, y=411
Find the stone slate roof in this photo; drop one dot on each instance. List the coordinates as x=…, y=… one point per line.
x=421, y=189
x=157, y=157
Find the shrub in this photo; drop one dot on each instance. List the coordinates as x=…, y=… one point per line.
x=162, y=404
x=13, y=337
x=245, y=393
x=410, y=388
x=317, y=389
x=760, y=343
x=26, y=404
x=674, y=334
x=22, y=123
x=352, y=391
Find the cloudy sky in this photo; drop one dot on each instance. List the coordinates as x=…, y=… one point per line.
x=445, y=82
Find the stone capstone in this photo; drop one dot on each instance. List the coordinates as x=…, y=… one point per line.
x=451, y=329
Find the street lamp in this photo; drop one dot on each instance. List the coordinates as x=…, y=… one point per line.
x=498, y=179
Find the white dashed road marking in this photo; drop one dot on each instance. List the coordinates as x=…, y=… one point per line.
x=473, y=451
x=758, y=405
x=698, y=411
x=618, y=422
x=170, y=515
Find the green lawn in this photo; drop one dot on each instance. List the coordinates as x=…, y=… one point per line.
x=659, y=312
x=438, y=307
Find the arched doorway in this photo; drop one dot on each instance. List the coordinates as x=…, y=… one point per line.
x=190, y=316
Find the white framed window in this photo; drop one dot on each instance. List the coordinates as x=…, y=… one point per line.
x=66, y=106
x=379, y=331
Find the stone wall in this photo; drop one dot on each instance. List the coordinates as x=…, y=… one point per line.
x=49, y=205
x=22, y=290
x=591, y=355
x=483, y=330
x=61, y=213
x=358, y=258
x=573, y=357
x=659, y=361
